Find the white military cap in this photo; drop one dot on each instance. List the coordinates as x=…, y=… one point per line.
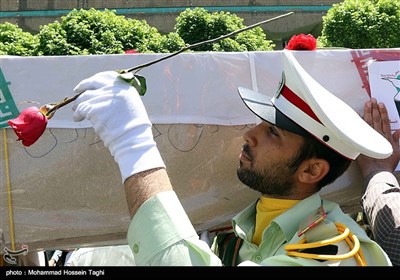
x=301, y=105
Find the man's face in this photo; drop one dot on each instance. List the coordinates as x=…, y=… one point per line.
x=266, y=160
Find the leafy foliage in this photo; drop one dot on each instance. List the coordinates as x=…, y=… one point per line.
x=53, y=41
x=95, y=32
x=84, y=32
x=14, y=41
x=197, y=25
x=362, y=24
x=350, y=24
x=168, y=43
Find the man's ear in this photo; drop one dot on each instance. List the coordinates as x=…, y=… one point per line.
x=313, y=170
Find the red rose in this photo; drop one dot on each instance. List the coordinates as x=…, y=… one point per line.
x=302, y=42
x=29, y=125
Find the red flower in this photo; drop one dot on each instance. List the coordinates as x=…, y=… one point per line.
x=29, y=125
x=302, y=42
x=131, y=51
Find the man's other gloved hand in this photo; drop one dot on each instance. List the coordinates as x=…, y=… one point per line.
x=118, y=116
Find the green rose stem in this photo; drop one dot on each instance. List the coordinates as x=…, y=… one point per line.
x=52, y=107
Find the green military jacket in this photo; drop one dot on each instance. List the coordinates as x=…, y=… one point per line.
x=161, y=234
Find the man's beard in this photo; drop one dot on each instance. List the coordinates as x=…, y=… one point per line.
x=276, y=180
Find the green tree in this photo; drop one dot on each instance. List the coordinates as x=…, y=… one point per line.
x=96, y=32
x=15, y=41
x=196, y=25
x=53, y=41
x=83, y=32
x=362, y=24
x=168, y=43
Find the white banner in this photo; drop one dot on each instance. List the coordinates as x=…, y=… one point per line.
x=65, y=190
x=188, y=88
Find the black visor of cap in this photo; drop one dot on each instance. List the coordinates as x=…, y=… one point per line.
x=264, y=109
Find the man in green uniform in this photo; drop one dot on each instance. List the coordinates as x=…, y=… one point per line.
x=306, y=139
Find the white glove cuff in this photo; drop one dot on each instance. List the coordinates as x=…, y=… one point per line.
x=130, y=164
x=135, y=152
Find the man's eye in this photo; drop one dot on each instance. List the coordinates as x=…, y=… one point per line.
x=272, y=130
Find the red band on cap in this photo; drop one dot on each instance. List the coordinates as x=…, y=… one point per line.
x=298, y=102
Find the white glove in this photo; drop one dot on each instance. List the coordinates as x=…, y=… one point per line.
x=118, y=116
